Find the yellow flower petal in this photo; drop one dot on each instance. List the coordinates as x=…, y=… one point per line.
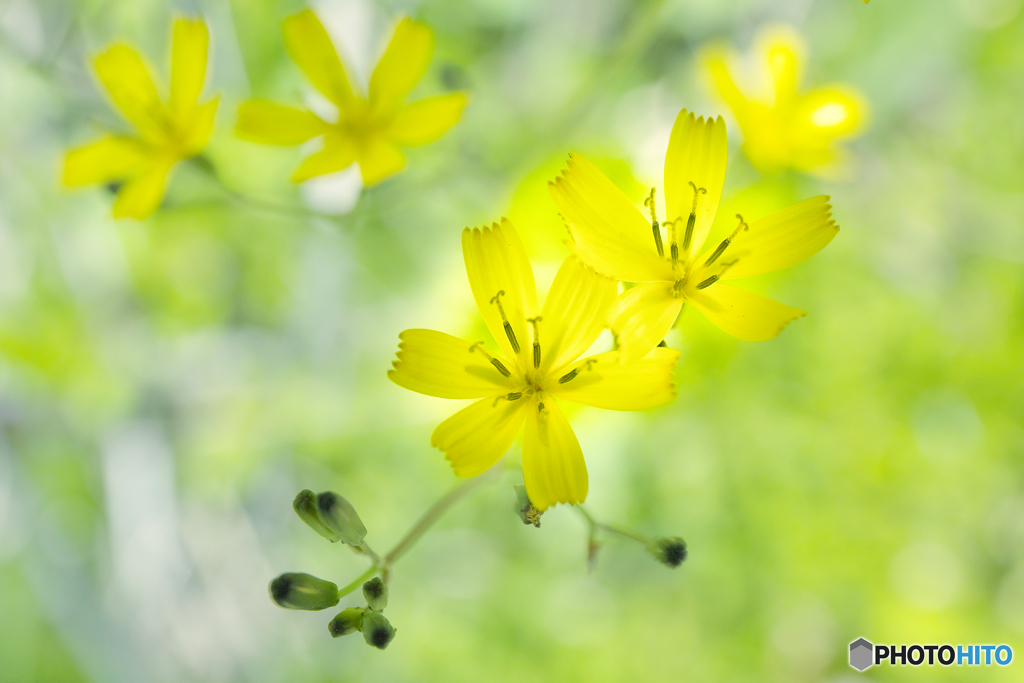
x=608, y=231
x=497, y=266
x=743, y=314
x=784, y=57
x=189, y=45
x=607, y=381
x=718, y=62
x=276, y=124
x=780, y=240
x=832, y=112
x=109, y=158
x=142, y=194
x=438, y=364
x=428, y=119
x=338, y=153
x=402, y=66
x=199, y=127
x=553, y=465
x=697, y=153
x=477, y=436
x=129, y=83
x=642, y=317
x=312, y=50
x=378, y=159
x=575, y=313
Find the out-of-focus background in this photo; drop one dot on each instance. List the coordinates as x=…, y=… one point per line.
x=168, y=386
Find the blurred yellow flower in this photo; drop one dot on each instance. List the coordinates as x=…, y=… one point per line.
x=611, y=234
x=166, y=133
x=783, y=126
x=539, y=360
x=368, y=130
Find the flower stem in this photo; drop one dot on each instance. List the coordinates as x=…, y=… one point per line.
x=382, y=566
x=433, y=514
x=356, y=583
x=611, y=528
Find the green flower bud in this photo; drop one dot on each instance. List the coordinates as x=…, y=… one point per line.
x=338, y=515
x=670, y=551
x=305, y=508
x=346, y=622
x=303, y=591
x=376, y=593
x=524, y=508
x=377, y=630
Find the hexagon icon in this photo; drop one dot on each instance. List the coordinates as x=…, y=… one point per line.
x=861, y=654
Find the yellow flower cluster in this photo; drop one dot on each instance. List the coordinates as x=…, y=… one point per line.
x=538, y=358
x=538, y=354
x=368, y=130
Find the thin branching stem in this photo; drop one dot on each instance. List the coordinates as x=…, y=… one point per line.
x=611, y=528
x=433, y=514
x=357, y=582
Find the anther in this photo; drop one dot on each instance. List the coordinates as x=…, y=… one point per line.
x=511, y=396
x=498, y=365
x=727, y=241
x=707, y=283
x=571, y=375
x=508, y=327
x=693, y=215
x=536, y=340
x=655, y=227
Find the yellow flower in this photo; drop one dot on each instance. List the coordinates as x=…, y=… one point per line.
x=611, y=234
x=784, y=127
x=538, y=361
x=166, y=133
x=368, y=130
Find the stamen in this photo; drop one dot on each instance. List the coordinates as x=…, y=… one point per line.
x=727, y=241
x=707, y=283
x=511, y=396
x=498, y=365
x=508, y=327
x=536, y=340
x=670, y=227
x=693, y=215
x=655, y=228
x=571, y=375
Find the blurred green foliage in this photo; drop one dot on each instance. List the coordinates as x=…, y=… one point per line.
x=169, y=386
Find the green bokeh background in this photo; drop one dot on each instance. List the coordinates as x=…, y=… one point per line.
x=166, y=387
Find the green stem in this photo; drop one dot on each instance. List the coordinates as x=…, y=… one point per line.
x=429, y=518
x=433, y=514
x=611, y=528
x=365, y=576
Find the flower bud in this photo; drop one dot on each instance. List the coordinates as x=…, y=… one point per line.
x=347, y=621
x=305, y=508
x=377, y=630
x=670, y=551
x=338, y=515
x=303, y=591
x=524, y=508
x=376, y=593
